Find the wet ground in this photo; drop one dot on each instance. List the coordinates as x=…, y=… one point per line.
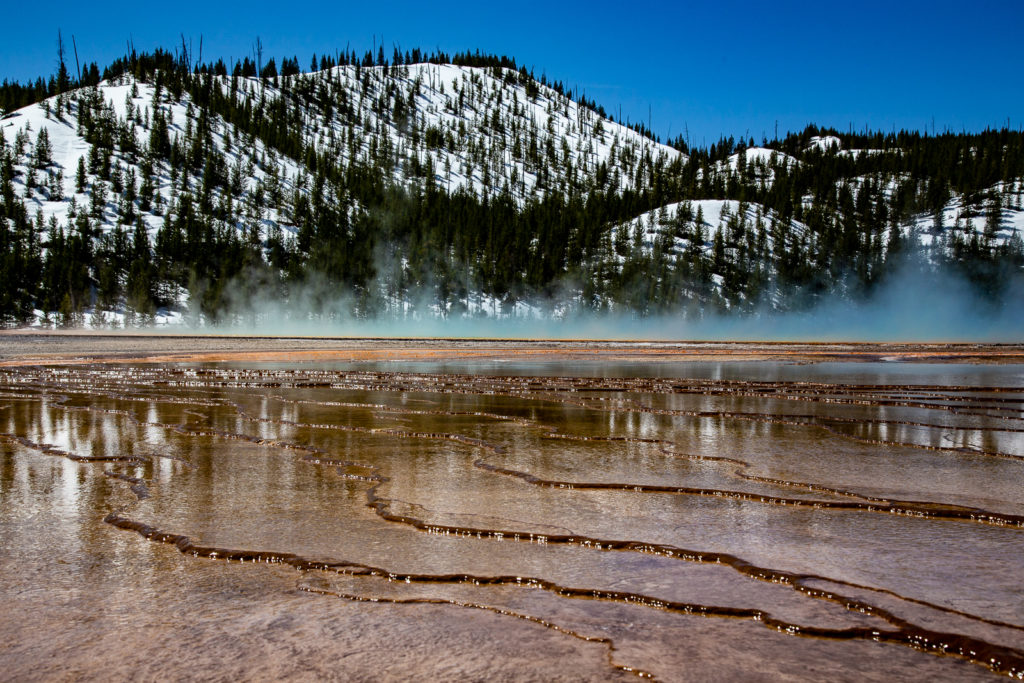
x=68, y=346
x=414, y=509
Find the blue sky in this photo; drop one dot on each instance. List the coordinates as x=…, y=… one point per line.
x=710, y=68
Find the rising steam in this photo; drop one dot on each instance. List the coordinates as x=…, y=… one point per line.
x=914, y=303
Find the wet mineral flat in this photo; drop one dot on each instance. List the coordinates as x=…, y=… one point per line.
x=559, y=510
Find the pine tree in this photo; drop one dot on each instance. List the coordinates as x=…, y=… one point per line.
x=993, y=216
x=80, y=176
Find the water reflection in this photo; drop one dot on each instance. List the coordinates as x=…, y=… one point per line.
x=839, y=507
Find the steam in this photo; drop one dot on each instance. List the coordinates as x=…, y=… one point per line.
x=916, y=303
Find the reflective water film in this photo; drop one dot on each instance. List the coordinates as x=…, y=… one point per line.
x=295, y=521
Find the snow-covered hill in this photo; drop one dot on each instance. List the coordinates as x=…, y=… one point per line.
x=287, y=178
x=476, y=129
x=482, y=129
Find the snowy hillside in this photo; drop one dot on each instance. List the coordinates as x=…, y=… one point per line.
x=482, y=129
x=457, y=127
x=51, y=183
x=702, y=238
x=166, y=191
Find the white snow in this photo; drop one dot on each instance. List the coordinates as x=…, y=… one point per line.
x=716, y=214
x=472, y=149
x=760, y=163
x=825, y=143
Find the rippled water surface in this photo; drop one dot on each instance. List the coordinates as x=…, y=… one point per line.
x=519, y=521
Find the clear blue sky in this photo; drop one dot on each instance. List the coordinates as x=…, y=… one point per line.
x=708, y=67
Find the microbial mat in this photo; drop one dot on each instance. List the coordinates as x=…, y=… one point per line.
x=477, y=520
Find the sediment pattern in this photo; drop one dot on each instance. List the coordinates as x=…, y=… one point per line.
x=737, y=492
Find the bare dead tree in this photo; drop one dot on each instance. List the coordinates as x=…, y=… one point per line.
x=185, y=58
x=257, y=49
x=60, y=49
x=78, y=69
x=62, y=70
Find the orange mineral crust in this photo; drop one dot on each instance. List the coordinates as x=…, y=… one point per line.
x=26, y=348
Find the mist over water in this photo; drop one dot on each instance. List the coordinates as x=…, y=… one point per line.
x=914, y=304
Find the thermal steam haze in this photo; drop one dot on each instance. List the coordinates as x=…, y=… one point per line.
x=914, y=303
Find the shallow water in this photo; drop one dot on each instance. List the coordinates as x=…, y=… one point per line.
x=705, y=520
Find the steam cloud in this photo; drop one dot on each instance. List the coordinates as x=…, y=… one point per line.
x=914, y=303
